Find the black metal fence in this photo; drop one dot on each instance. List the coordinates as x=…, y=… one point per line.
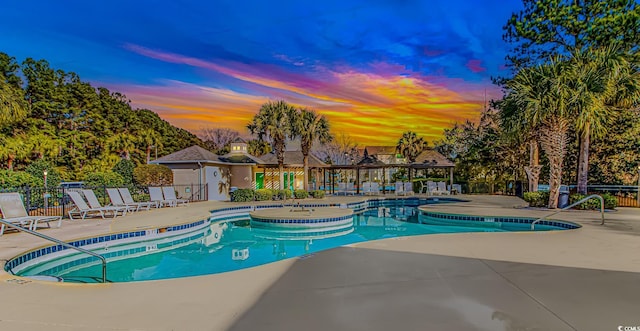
x=54, y=201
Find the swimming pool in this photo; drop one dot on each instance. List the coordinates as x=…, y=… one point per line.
x=228, y=242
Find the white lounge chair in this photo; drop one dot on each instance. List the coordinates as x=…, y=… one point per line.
x=399, y=188
x=366, y=188
x=94, y=203
x=14, y=212
x=432, y=188
x=170, y=194
x=82, y=209
x=155, y=195
x=375, y=188
x=457, y=188
x=116, y=200
x=442, y=188
x=342, y=189
x=126, y=196
x=408, y=188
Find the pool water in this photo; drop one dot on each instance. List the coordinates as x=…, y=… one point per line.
x=232, y=245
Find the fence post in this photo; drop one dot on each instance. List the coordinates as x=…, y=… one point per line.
x=64, y=205
x=27, y=197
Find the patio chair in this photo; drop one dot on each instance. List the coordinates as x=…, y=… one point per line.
x=116, y=200
x=14, y=212
x=408, y=188
x=342, y=189
x=457, y=188
x=94, y=203
x=155, y=195
x=442, y=188
x=432, y=188
x=82, y=209
x=399, y=188
x=126, y=196
x=351, y=188
x=375, y=188
x=170, y=194
x=366, y=188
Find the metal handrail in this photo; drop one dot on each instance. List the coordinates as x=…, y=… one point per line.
x=59, y=242
x=573, y=205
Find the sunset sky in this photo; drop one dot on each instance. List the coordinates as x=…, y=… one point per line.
x=375, y=68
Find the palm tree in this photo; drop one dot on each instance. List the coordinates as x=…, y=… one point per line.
x=310, y=128
x=515, y=130
x=541, y=94
x=410, y=146
x=258, y=147
x=13, y=148
x=123, y=144
x=12, y=104
x=149, y=139
x=603, y=82
x=273, y=123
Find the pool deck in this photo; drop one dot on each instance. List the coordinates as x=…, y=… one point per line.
x=583, y=279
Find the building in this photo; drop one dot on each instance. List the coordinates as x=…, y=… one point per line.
x=200, y=174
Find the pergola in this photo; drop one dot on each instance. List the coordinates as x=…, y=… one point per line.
x=429, y=159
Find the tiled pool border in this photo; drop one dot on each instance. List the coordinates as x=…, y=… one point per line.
x=242, y=211
x=499, y=219
x=114, y=238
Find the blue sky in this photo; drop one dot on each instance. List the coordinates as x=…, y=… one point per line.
x=399, y=65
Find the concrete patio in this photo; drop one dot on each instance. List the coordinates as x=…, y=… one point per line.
x=584, y=279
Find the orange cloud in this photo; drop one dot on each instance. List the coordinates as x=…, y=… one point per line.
x=373, y=108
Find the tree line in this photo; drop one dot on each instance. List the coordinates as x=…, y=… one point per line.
x=53, y=117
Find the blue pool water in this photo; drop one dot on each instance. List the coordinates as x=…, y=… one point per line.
x=229, y=245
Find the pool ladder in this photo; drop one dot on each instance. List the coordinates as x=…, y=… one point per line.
x=573, y=205
x=59, y=242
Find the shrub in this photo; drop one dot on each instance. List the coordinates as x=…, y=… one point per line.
x=107, y=178
x=610, y=202
x=300, y=194
x=317, y=194
x=264, y=194
x=125, y=169
x=284, y=194
x=242, y=195
x=153, y=175
x=14, y=179
x=537, y=199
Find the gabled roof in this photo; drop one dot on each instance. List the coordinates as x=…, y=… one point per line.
x=378, y=150
x=432, y=158
x=293, y=159
x=371, y=161
x=189, y=155
x=239, y=140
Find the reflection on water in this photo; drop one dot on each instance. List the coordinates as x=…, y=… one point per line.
x=233, y=245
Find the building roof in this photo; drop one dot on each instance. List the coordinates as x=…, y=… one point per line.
x=378, y=150
x=189, y=155
x=239, y=140
x=371, y=161
x=241, y=158
x=431, y=158
x=293, y=159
